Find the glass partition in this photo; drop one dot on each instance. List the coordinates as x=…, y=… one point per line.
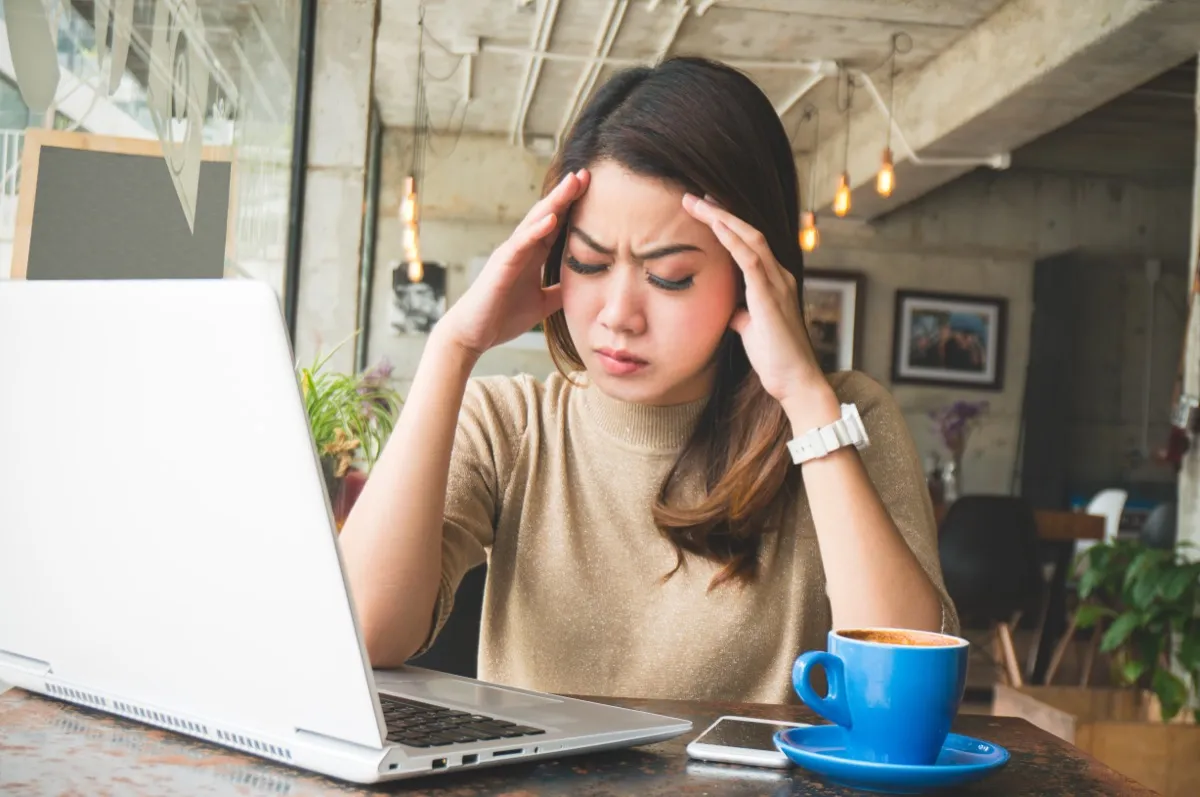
x=185, y=82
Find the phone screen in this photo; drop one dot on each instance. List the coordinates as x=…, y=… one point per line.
x=737, y=733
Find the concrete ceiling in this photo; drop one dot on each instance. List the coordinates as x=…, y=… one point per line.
x=506, y=89
x=1147, y=135
x=984, y=78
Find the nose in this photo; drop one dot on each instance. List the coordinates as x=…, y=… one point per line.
x=623, y=312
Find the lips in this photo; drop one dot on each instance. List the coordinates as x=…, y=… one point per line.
x=618, y=362
x=621, y=356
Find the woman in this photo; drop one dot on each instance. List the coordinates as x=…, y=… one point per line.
x=646, y=529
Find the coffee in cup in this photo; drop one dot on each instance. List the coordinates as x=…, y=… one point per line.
x=894, y=691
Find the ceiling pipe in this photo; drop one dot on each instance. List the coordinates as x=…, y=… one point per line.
x=681, y=11
x=591, y=73
x=821, y=70
x=547, y=13
x=522, y=52
x=1000, y=160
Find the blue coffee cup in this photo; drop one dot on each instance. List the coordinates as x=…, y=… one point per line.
x=894, y=691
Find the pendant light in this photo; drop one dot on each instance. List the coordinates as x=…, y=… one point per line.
x=810, y=239
x=841, y=197
x=885, y=179
x=410, y=216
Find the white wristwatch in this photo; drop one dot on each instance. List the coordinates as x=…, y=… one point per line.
x=845, y=431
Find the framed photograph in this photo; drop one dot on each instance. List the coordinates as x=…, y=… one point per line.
x=833, y=303
x=417, y=306
x=949, y=339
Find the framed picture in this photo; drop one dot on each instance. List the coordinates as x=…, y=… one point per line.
x=833, y=303
x=417, y=306
x=949, y=339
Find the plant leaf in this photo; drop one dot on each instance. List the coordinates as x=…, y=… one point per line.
x=1133, y=669
x=1189, y=648
x=1144, y=589
x=1090, y=579
x=1089, y=613
x=1176, y=582
x=1120, y=630
x=1171, y=691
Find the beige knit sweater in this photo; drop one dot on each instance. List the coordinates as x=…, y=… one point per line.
x=552, y=484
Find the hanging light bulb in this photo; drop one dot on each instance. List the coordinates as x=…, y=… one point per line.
x=809, y=237
x=885, y=180
x=416, y=270
x=409, y=236
x=408, y=203
x=841, y=199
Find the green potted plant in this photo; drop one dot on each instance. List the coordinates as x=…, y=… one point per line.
x=1146, y=603
x=1144, y=606
x=351, y=417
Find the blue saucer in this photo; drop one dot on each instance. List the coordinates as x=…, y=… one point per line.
x=821, y=749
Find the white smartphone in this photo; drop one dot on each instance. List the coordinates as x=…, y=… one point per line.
x=742, y=740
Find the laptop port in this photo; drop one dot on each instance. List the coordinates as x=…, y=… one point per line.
x=499, y=753
x=470, y=758
x=439, y=763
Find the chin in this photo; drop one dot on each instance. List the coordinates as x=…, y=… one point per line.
x=645, y=388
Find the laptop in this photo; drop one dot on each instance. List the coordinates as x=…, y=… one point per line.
x=168, y=554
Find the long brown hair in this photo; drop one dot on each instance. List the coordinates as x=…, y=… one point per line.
x=709, y=128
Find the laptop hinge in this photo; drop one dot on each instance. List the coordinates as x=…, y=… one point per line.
x=17, y=661
x=326, y=739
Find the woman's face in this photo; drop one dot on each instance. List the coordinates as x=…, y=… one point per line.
x=647, y=290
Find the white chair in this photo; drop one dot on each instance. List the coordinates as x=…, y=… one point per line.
x=1109, y=504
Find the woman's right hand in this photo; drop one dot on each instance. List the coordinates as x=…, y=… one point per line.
x=507, y=298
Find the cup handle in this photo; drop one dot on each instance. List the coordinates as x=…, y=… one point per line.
x=833, y=706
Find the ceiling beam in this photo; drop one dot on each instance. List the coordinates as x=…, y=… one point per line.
x=1031, y=67
x=540, y=41
x=605, y=37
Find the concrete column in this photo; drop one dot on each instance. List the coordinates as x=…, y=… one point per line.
x=343, y=74
x=1189, y=474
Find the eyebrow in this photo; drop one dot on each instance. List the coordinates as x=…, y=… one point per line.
x=653, y=254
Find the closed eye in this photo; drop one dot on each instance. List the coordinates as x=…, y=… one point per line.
x=587, y=269
x=583, y=268
x=669, y=285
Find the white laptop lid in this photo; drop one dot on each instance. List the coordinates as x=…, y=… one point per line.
x=164, y=534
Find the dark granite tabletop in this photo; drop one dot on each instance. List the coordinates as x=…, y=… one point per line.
x=53, y=748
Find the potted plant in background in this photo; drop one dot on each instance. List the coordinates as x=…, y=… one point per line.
x=1144, y=606
x=351, y=416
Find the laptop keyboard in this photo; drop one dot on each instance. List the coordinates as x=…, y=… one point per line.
x=417, y=724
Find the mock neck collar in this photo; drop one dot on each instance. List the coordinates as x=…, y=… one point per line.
x=645, y=426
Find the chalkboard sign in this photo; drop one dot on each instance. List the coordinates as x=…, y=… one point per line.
x=99, y=207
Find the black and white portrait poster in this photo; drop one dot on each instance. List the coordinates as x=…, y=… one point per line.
x=417, y=306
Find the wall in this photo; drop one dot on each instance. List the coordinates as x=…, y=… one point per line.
x=1114, y=222
x=477, y=188
x=981, y=234
x=988, y=463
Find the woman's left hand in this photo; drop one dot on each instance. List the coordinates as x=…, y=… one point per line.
x=771, y=325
